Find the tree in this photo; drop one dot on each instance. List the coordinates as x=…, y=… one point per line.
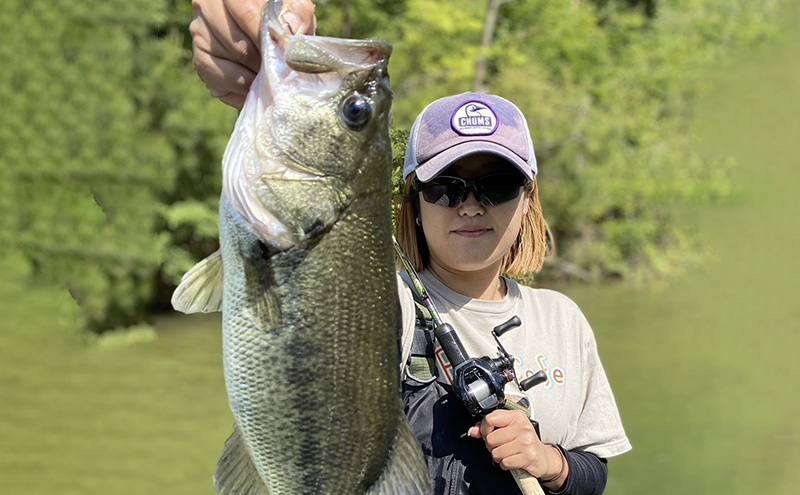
x=110, y=146
x=91, y=146
x=486, y=42
x=607, y=87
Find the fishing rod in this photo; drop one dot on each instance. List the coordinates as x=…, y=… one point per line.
x=478, y=382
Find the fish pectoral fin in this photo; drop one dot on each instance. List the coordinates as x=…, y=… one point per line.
x=236, y=474
x=200, y=290
x=405, y=472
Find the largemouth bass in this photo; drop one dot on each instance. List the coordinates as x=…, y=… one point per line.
x=309, y=294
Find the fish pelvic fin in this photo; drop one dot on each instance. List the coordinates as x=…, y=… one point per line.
x=236, y=474
x=405, y=472
x=200, y=290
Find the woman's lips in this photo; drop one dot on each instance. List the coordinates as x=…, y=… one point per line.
x=471, y=231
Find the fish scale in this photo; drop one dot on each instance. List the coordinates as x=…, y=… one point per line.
x=309, y=292
x=282, y=368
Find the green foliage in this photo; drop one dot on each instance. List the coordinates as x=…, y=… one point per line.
x=357, y=18
x=196, y=128
x=607, y=87
x=620, y=148
x=104, y=131
x=76, y=151
x=399, y=141
x=110, y=146
x=436, y=43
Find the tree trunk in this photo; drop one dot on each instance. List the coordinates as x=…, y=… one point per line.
x=480, y=84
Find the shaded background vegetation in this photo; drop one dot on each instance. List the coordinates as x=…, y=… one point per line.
x=110, y=145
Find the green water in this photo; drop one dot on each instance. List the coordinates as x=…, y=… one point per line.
x=119, y=419
x=704, y=367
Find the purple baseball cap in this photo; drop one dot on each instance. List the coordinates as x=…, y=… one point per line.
x=456, y=126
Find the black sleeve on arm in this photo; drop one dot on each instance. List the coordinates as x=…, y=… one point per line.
x=587, y=474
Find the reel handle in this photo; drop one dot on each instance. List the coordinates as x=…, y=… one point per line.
x=530, y=382
x=502, y=328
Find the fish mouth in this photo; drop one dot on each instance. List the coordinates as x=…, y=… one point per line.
x=311, y=72
x=315, y=65
x=311, y=67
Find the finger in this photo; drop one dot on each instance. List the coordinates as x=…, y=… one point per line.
x=215, y=27
x=516, y=461
x=211, y=62
x=474, y=431
x=233, y=99
x=499, y=418
x=299, y=14
x=206, y=42
x=516, y=456
x=210, y=59
x=504, y=451
x=486, y=427
x=247, y=15
x=223, y=76
x=511, y=434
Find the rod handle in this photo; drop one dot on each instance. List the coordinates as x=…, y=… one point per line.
x=527, y=484
x=451, y=344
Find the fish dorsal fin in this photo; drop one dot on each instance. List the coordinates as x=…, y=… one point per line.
x=236, y=474
x=200, y=290
x=405, y=472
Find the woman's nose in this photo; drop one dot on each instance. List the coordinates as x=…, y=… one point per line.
x=470, y=204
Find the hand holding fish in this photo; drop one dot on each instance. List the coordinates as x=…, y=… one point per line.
x=514, y=444
x=226, y=46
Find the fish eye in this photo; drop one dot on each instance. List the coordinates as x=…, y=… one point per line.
x=356, y=111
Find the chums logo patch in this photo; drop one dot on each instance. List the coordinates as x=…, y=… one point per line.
x=474, y=119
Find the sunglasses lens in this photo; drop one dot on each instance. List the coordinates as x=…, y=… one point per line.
x=498, y=188
x=490, y=189
x=444, y=191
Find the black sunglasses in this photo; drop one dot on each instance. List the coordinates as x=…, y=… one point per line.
x=491, y=189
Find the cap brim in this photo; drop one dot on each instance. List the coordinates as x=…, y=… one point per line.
x=438, y=163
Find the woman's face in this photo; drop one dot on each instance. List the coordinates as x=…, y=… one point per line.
x=471, y=236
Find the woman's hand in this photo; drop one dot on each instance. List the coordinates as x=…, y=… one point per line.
x=514, y=444
x=226, y=44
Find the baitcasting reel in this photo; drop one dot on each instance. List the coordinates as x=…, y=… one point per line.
x=480, y=382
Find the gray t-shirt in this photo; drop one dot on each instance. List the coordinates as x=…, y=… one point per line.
x=575, y=407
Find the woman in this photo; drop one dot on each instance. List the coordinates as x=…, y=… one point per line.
x=471, y=215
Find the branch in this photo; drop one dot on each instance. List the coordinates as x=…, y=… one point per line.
x=479, y=84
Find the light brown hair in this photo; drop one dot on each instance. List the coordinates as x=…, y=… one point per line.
x=526, y=256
